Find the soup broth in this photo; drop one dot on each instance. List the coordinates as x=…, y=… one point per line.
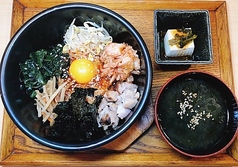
x=193, y=114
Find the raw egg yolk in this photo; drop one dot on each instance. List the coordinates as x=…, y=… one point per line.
x=82, y=70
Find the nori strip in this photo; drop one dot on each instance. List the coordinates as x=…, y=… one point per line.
x=76, y=121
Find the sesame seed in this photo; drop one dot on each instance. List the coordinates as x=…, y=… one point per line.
x=187, y=109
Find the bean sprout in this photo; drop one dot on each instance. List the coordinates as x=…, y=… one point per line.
x=89, y=38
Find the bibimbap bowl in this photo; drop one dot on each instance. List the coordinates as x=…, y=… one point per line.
x=30, y=84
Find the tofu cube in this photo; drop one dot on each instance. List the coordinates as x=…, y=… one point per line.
x=174, y=51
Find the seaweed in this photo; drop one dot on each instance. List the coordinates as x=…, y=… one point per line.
x=182, y=38
x=77, y=119
x=41, y=66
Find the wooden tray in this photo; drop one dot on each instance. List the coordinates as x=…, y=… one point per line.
x=148, y=149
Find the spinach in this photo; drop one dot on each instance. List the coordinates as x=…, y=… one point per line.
x=77, y=119
x=41, y=66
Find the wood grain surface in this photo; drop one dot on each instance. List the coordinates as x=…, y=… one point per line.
x=149, y=149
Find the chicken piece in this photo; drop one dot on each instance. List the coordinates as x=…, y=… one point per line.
x=102, y=105
x=130, y=79
x=120, y=87
x=129, y=98
x=112, y=106
x=108, y=117
x=117, y=103
x=122, y=112
x=111, y=95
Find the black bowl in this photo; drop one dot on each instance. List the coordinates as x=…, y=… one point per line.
x=197, y=114
x=47, y=29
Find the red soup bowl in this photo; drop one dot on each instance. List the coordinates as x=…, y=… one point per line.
x=196, y=114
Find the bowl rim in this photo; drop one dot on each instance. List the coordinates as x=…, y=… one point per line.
x=158, y=124
x=107, y=138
